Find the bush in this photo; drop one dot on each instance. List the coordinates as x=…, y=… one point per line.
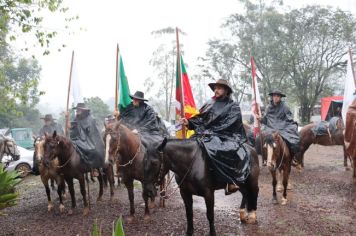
x=8, y=181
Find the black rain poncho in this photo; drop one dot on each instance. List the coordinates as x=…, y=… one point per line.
x=219, y=130
x=279, y=118
x=49, y=129
x=87, y=138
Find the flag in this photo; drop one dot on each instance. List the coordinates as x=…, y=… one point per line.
x=123, y=86
x=186, y=99
x=256, y=99
x=348, y=91
x=76, y=92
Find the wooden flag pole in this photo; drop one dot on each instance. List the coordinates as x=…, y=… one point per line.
x=67, y=107
x=182, y=114
x=116, y=80
x=352, y=66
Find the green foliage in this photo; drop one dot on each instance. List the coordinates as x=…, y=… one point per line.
x=26, y=16
x=8, y=181
x=299, y=51
x=118, y=228
x=97, y=108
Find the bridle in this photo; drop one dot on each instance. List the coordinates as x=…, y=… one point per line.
x=6, y=149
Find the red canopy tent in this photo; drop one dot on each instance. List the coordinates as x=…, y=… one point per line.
x=325, y=104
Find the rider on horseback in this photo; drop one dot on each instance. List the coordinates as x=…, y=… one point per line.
x=279, y=117
x=85, y=134
x=220, y=131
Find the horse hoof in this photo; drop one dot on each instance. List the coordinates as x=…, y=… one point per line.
x=70, y=212
x=146, y=219
x=289, y=187
x=279, y=188
x=252, y=218
x=64, y=196
x=274, y=201
x=86, y=211
x=61, y=208
x=284, y=201
x=50, y=207
x=243, y=216
x=130, y=219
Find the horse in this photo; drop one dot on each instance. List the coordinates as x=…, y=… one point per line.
x=307, y=138
x=70, y=167
x=48, y=170
x=350, y=134
x=193, y=176
x=126, y=147
x=278, y=159
x=8, y=146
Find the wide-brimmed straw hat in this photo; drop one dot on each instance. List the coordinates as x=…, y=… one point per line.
x=277, y=92
x=139, y=96
x=222, y=82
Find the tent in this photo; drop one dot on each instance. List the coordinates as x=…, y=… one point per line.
x=329, y=107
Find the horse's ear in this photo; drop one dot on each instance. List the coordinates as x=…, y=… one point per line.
x=162, y=145
x=54, y=134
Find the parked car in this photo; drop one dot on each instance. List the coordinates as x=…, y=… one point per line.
x=22, y=136
x=23, y=164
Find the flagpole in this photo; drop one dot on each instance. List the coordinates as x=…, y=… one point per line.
x=181, y=83
x=67, y=107
x=116, y=80
x=352, y=66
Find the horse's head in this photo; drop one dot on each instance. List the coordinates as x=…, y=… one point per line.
x=154, y=170
x=9, y=147
x=52, y=147
x=112, y=139
x=38, y=144
x=273, y=145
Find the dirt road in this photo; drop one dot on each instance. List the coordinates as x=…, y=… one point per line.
x=322, y=202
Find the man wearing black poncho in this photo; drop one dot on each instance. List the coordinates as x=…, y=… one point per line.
x=278, y=117
x=86, y=136
x=141, y=118
x=219, y=130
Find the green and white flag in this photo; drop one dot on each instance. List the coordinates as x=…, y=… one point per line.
x=123, y=86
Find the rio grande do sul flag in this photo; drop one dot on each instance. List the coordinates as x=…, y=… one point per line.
x=187, y=99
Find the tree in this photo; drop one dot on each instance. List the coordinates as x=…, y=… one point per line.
x=299, y=51
x=164, y=64
x=98, y=109
x=26, y=16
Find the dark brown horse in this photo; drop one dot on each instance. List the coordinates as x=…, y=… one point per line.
x=307, y=138
x=70, y=167
x=124, y=145
x=278, y=159
x=48, y=170
x=187, y=160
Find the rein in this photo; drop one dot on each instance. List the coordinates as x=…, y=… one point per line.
x=170, y=180
x=70, y=158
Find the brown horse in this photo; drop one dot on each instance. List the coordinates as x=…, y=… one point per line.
x=278, y=159
x=124, y=146
x=350, y=134
x=70, y=167
x=308, y=138
x=47, y=169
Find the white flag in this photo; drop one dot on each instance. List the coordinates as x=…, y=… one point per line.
x=76, y=93
x=349, y=90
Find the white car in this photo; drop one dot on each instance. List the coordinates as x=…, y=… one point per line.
x=23, y=165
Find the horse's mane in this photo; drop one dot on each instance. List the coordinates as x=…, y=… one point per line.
x=269, y=139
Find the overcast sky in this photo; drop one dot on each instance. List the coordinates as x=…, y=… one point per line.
x=129, y=23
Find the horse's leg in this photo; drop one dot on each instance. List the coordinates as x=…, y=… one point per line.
x=130, y=188
x=72, y=194
x=252, y=190
x=147, y=217
x=101, y=186
x=188, y=203
x=52, y=184
x=111, y=179
x=162, y=188
x=279, y=174
x=345, y=157
x=285, y=184
x=60, y=189
x=44, y=180
x=209, y=202
x=84, y=194
x=274, y=183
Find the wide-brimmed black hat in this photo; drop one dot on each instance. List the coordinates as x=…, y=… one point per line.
x=277, y=92
x=81, y=105
x=47, y=117
x=222, y=82
x=139, y=96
